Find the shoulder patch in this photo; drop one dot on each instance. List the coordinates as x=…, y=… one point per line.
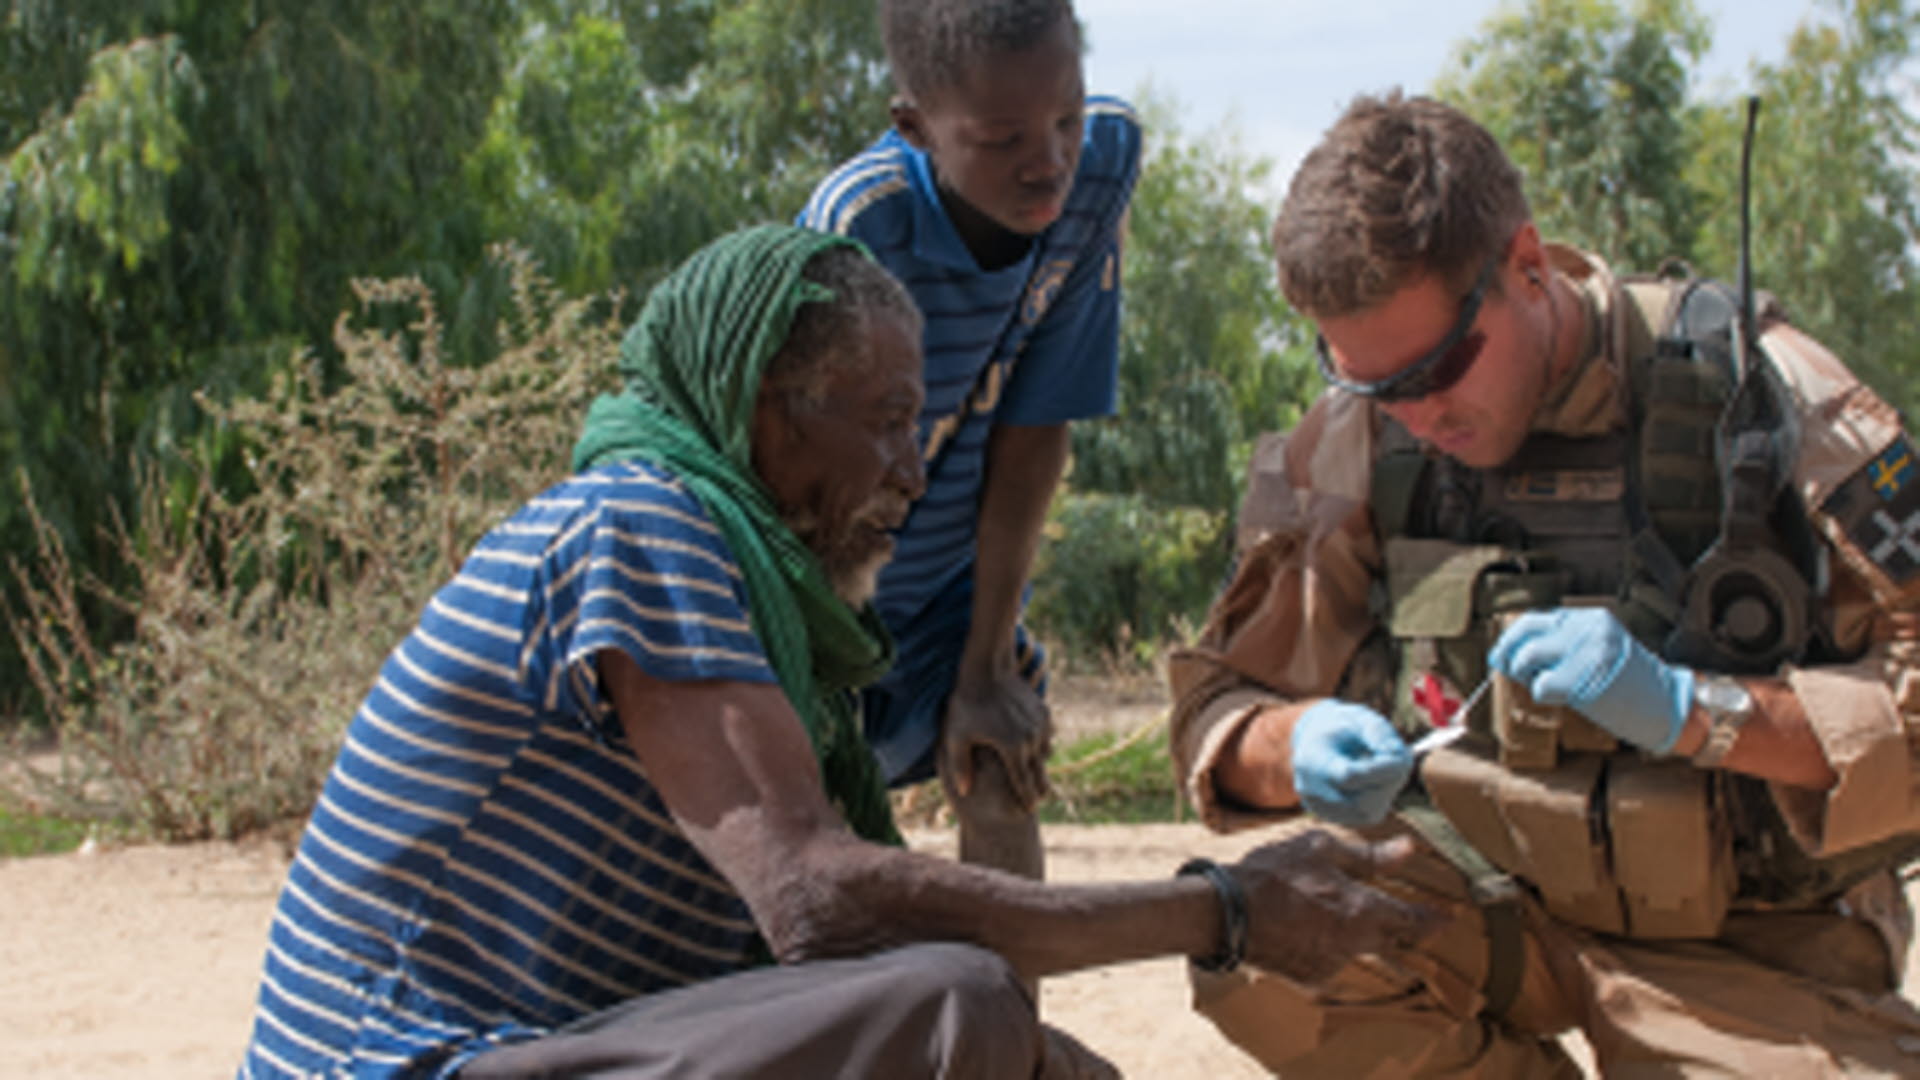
x=1877, y=513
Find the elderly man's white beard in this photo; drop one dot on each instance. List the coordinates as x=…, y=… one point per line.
x=854, y=579
x=855, y=585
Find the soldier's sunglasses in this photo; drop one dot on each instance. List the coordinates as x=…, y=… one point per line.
x=1447, y=363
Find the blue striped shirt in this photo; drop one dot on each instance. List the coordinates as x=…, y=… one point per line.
x=1056, y=312
x=486, y=861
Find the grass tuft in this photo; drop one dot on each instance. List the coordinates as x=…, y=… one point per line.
x=23, y=834
x=1108, y=778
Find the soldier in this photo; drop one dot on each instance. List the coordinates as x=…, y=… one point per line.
x=1684, y=567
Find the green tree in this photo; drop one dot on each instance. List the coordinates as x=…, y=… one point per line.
x=1834, y=214
x=1204, y=348
x=1210, y=356
x=1589, y=99
x=630, y=134
x=186, y=190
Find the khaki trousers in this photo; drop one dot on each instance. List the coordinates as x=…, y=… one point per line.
x=1777, y=995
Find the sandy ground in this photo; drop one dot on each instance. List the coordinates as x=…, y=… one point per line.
x=141, y=962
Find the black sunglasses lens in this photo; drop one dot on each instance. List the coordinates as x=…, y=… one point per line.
x=1441, y=373
x=1432, y=373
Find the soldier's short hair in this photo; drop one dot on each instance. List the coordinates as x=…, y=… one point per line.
x=932, y=44
x=1398, y=189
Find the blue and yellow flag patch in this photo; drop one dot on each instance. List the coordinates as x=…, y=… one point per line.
x=1878, y=509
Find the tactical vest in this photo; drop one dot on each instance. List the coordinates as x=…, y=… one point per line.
x=1686, y=525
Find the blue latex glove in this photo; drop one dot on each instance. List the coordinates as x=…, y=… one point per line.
x=1348, y=762
x=1584, y=658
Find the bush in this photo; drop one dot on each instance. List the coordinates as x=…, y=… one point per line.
x=259, y=621
x=1118, y=576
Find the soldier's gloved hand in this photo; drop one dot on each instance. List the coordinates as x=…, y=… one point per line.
x=1348, y=762
x=1584, y=658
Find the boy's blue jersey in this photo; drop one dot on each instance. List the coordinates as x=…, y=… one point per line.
x=1034, y=343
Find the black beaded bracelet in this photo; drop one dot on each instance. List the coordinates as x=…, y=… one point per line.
x=1233, y=915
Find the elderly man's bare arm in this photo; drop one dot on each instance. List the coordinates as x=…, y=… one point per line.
x=735, y=768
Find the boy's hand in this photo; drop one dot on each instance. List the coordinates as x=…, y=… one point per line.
x=1004, y=717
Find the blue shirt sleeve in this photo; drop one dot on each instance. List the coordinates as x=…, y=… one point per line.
x=644, y=571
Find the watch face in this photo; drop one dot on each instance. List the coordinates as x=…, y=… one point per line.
x=1722, y=696
x=1727, y=705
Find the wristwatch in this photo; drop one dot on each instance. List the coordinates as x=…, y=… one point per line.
x=1728, y=706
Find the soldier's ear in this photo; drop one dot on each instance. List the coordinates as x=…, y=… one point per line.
x=1529, y=255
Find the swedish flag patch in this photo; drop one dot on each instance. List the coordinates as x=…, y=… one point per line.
x=1892, y=471
x=1878, y=510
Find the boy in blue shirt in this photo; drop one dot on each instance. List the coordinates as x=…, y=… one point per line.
x=998, y=197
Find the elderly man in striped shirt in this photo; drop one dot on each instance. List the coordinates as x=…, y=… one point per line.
x=616, y=770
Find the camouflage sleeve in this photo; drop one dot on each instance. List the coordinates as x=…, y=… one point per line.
x=1859, y=476
x=1296, y=607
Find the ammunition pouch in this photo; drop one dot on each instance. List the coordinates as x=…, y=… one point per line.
x=1617, y=843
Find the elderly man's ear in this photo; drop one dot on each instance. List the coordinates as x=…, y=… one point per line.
x=774, y=437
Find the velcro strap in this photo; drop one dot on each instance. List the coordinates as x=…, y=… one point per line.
x=1494, y=891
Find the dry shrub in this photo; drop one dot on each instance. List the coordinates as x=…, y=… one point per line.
x=260, y=620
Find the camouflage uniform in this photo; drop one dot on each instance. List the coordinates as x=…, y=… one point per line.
x=1802, y=992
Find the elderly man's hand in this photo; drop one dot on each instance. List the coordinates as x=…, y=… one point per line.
x=1005, y=717
x=1311, y=907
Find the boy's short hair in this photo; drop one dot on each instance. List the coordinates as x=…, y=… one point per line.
x=932, y=44
x=1399, y=188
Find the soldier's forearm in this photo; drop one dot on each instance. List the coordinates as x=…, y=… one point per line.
x=1776, y=743
x=1255, y=767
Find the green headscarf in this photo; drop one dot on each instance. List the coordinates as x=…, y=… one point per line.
x=693, y=364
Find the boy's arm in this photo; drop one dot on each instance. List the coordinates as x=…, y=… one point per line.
x=1068, y=370
x=992, y=707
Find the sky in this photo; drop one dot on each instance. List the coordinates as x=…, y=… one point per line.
x=1279, y=71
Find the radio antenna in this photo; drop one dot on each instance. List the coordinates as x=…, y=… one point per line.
x=1746, y=227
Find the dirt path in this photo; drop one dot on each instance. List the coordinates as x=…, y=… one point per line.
x=141, y=962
